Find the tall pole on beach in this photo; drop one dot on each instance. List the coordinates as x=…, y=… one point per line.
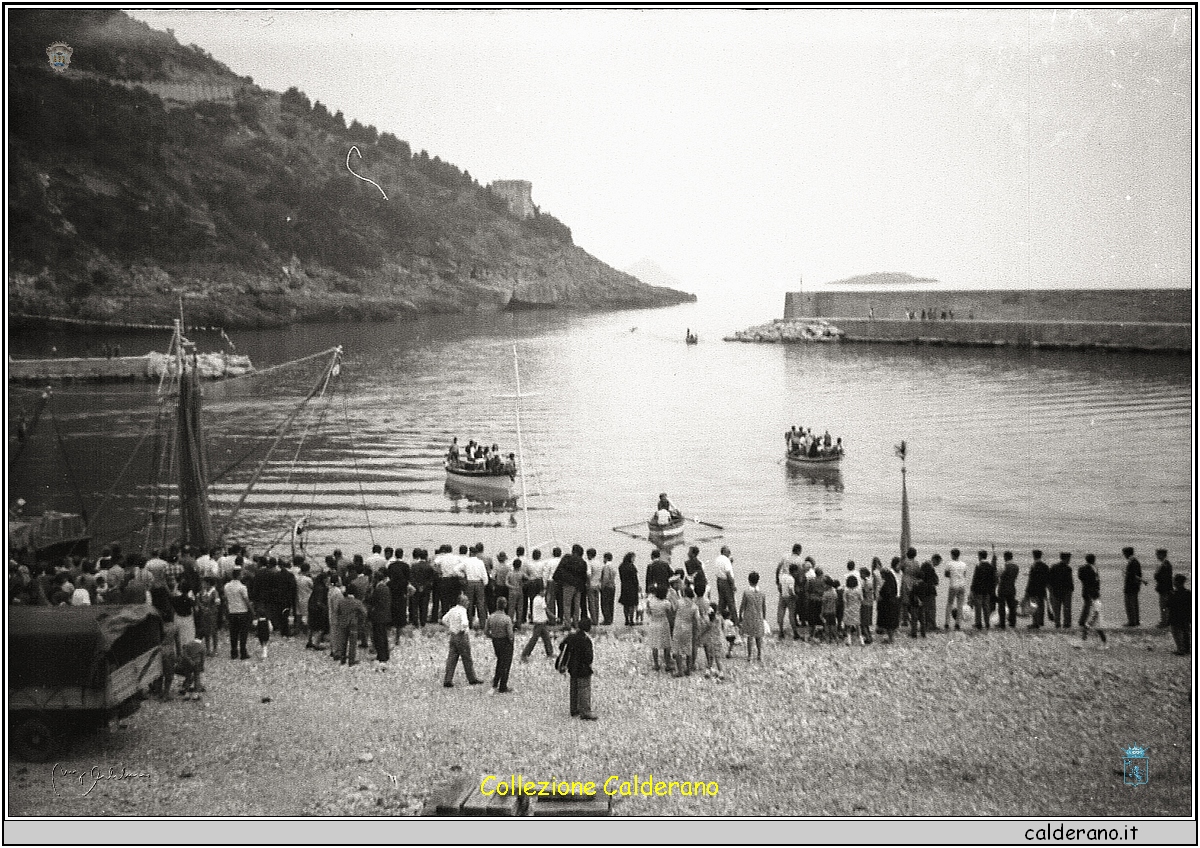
x=521, y=453
x=905, y=529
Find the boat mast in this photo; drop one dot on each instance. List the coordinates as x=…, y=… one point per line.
x=521, y=453
x=195, y=519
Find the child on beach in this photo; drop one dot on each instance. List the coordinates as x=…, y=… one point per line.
x=752, y=613
x=1093, y=622
x=262, y=629
x=683, y=637
x=206, y=615
x=191, y=667
x=639, y=617
x=713, y=635
x=730, y=630
x=852, y=606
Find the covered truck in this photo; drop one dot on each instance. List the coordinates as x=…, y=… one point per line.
x=72, y=669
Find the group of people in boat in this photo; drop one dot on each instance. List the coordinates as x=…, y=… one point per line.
x=479, y=457
x=805, y=442
x=664, y=513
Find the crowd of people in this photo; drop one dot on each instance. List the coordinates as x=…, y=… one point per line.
x=360, y=605
x=803, y=441
x=480, y=457
x=882, y=599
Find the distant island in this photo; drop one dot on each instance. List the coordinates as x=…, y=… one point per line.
x=885, y=279
x=148, y=172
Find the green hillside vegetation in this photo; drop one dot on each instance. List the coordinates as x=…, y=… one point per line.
x=119, y=201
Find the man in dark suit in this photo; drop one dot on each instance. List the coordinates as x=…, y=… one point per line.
x=1089, y=586
x=1164, y=582
x=1133, y=586
x=1007, y=591
x=658, y=572
x=983, y=590
x=579, y=669
x=1035, y=589
x=1062, y=586
x=397, y=572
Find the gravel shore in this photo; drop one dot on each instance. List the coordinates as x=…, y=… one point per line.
x=960, y=724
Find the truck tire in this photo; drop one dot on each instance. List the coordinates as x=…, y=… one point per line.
x=35, y=740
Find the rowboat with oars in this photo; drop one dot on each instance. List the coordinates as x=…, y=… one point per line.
x=669, y=530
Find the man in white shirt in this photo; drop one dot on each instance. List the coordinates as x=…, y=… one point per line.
x=956, y=571
x=593, y=586
x=237, y=600
x=226, y=563
x=458, y=624
x=376, y=560
x=552, y=590
x=206, y=566
x=726, y=588
x=786, y=613
x=541, y=628
x=476, y=576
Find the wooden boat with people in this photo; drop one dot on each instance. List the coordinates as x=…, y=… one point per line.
x=670, y=530
x=825, y=459
x=480, y=480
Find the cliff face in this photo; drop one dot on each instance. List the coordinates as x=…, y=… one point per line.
x=238, y=200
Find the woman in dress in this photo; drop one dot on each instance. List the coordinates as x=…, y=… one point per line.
x=687, y=622
x=629, y=587
x=889, y=601
x=658, y=635
x=752, y=613
x=206, y=615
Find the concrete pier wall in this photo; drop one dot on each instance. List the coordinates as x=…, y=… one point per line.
x=1083, y=334
x=1168, y=306
x=1138, y=319
x=213, y=366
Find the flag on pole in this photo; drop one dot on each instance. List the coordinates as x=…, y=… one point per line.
x=905, y=528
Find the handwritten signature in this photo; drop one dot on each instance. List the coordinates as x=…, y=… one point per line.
x=92, y=777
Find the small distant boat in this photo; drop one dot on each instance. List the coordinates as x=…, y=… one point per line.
x=824, y=459
x=666, y=531
x=480, y=480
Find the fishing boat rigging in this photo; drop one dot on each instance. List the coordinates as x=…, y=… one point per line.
x=180, y=510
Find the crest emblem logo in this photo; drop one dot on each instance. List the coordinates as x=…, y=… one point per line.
x=1137, y=766
x=59, y=54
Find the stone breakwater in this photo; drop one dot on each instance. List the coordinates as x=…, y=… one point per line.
x=212, y=366
x=784, y=330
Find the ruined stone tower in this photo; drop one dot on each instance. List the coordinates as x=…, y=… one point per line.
x=518, y=193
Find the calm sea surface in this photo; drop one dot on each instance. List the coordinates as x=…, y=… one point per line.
x=1056, y=450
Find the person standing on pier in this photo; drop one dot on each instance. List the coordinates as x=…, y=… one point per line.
x=1062, y=586
x=1089, y=587
x=983, y=590
x=1179, y=608
x=726, y=587
x=1164, y=584
x=1133, y=587
x=1035, y=589
x=455, y=620
x=1007, y=591
x=956, y=591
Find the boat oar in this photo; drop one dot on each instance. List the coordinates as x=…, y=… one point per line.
x=706, y=523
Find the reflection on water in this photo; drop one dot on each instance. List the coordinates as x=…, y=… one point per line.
x=828, y=477
x=1026, y=449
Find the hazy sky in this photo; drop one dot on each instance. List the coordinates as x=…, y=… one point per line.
x=743, y=150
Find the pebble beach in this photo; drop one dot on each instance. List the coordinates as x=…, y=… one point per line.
x=957, y=724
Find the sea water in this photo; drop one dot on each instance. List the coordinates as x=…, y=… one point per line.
x=1018, y=449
